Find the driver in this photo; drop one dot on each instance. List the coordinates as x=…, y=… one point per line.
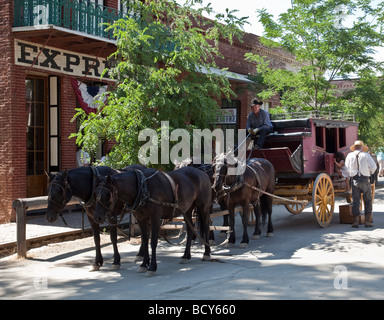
x=259, y=124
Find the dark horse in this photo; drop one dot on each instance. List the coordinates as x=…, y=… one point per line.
x=81, y=183
x=153, y=195
x=208, y=169
x=245, y=188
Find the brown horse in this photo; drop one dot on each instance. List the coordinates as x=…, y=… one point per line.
x=81, y=183
x=154, y=195
x=245, y=188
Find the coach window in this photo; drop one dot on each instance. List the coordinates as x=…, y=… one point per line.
x=342, y=138
x=320, y=137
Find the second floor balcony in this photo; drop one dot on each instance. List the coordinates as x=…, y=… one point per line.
x=80, y=16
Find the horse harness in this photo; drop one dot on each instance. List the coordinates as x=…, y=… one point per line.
x=143, y=195
x=239, y=182
x=90, y=202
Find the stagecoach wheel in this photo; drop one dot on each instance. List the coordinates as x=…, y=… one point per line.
x=323, y=200
x=295, y=208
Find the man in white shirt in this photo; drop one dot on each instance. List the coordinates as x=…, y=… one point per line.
x=361, y=166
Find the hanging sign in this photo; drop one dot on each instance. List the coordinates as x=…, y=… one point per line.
x=58, y=60
x=227, y=116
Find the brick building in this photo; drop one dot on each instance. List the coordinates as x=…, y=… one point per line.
x=45, y=45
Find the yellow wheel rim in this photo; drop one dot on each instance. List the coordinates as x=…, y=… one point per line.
x=323, y=200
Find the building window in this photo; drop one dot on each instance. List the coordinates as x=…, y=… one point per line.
x=235, y=106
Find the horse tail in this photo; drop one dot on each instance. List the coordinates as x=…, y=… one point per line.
x=203, y=223
x=263, y=209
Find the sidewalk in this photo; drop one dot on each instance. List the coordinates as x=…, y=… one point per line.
x=38, y=226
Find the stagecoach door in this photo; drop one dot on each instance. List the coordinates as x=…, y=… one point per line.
x=36, y=104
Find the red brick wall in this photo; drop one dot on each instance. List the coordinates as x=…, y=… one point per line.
x=10, y=111
x=111, y=3
x=68, y=105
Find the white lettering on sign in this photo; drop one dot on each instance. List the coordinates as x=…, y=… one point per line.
x=58, y=60
x=227, y=116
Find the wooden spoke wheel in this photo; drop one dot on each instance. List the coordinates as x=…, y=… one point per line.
x=295, y=208
x=323, y=200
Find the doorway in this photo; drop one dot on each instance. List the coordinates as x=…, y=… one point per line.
x=36, y=106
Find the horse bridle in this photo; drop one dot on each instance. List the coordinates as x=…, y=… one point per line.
x=64, y=189
x=141, y=196
x=113, y=194
x=225, y=188
x=66, y=198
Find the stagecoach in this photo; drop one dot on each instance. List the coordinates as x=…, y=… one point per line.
x=302, y=150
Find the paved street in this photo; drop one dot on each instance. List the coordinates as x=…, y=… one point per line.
x=301, y=261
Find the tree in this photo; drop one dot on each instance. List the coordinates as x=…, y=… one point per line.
x=366, y=101
x=164, y=55
x=324, y=43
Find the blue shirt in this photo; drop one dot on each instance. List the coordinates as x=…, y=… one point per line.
x=262, y=120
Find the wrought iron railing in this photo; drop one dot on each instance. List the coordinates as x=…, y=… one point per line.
x=78, y=15
x=315, y=115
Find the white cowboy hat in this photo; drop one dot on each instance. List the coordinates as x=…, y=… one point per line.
x=359, y=143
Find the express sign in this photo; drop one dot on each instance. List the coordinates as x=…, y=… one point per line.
x=58, y=60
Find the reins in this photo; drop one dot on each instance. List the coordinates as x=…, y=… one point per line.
x=233, y=189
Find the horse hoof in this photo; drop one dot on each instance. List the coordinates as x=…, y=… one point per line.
x=150, y=273
x=256, y=237
x=229, y=245
x=212, y=242
x=94, y=268
x=184, y=261
x=142, y=270
x=270, y=234
x=206, y=258
x=115, y=267
x=243, y=245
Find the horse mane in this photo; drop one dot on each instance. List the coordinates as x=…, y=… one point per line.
x=187, y=162
x=230, y=158
x=220, y=158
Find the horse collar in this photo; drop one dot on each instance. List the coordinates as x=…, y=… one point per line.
x=91, y=201
x=142, y=191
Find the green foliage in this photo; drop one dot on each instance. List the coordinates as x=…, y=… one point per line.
x=159, y=60
x=366, y=101
x=325, y=46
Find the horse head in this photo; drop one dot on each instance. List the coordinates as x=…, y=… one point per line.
x=105, y=199
x=226, y=168
x=59, y=193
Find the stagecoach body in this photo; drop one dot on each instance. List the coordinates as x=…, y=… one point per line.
x=302, y=150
